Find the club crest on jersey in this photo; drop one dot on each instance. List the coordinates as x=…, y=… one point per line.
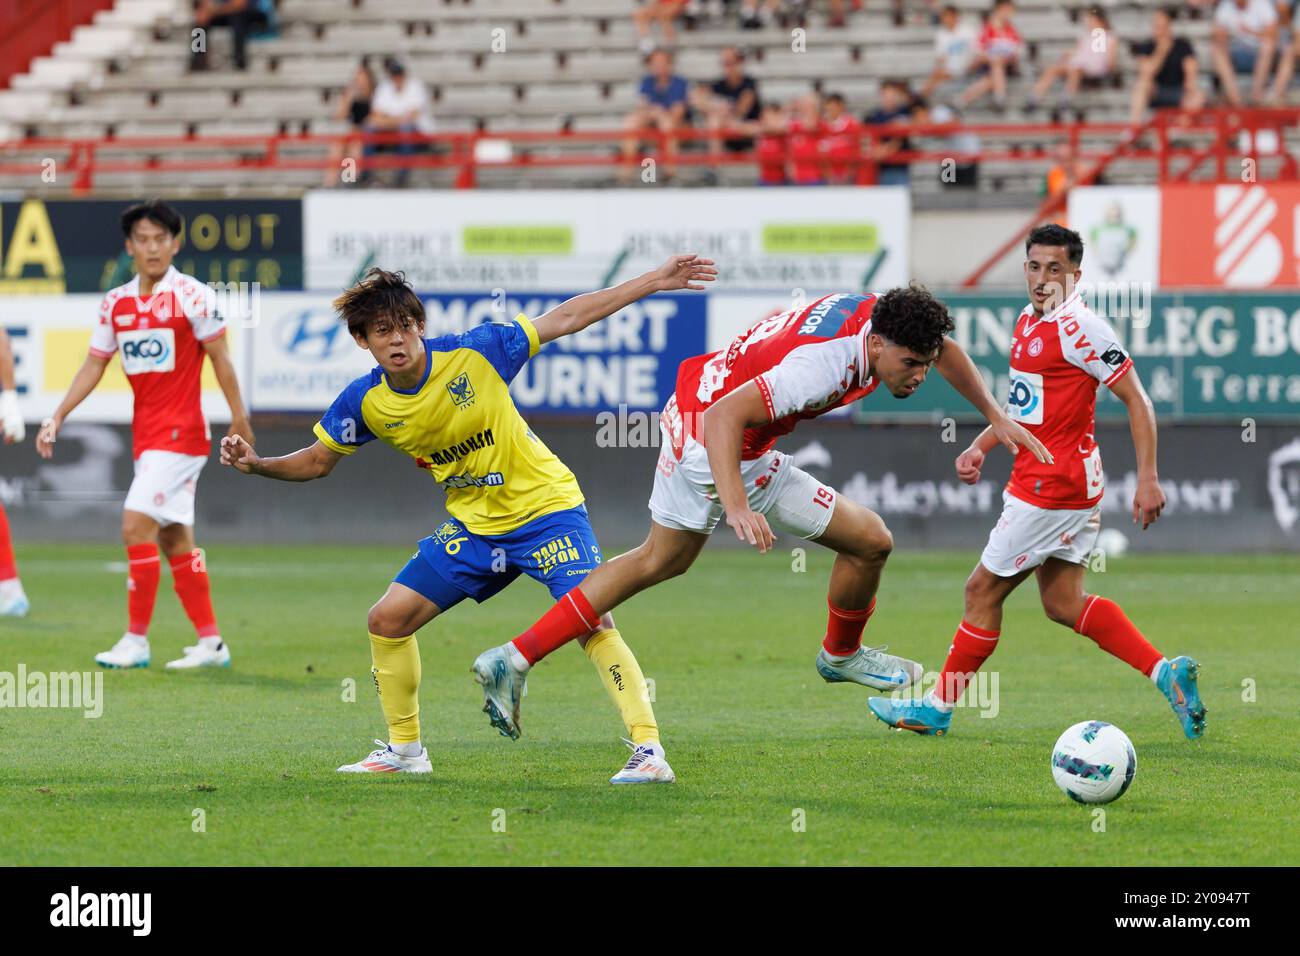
x=147, y=350
x=446, y=531
x=461, y=391
x=1025, y=401
x=1036, y=347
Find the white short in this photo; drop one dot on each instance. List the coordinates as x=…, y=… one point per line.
x=1027, y=535
x=684, y=497
x=164, y=486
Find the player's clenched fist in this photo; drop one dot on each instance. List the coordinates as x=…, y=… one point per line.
x=752, y=527
x=969, y=464
x=45, y=437
x=238, y=454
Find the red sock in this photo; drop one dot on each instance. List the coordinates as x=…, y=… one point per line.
x=190, y=578
x=1105, y=622
x=971, y=647
x=570, y=617
x=8, y=569
x=142, y=572
x=844, y=628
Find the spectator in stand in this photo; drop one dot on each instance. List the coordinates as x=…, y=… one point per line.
x=662, y=107
x=804, y=134
x=954, y=50
x=771, y=146
x=242, y=16
x=1092, y=61
x=895, y=108
x=962, y=145
x=997, y=57
x=400, y=105
x=665, y=13
x=354, y=106
x=730, y=103
x=1167, y=72
x=756, y=14
x=841, y=142
x=1244, y=41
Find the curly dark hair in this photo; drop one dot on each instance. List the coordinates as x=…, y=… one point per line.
x=913, y=318
x=379, y=294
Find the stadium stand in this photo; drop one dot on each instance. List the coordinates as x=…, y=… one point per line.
x=509, y=69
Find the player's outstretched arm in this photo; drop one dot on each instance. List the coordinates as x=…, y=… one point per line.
x=574, y=315
x=722, y=427
x=314, y=461
x=87, y=377
x=12, y=428
x=1149, y=499
x=960, y=372
x=219, y=353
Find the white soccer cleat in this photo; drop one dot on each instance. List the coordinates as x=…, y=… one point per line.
x=14, y=605
x=646, y=765
x=385, y=760
x=870, y=667
x=503, y=689
x=198, y=656
x=125, y=654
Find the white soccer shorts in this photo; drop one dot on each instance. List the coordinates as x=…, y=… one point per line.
x=164, y=486
x=1027, y=535
x=684, y=497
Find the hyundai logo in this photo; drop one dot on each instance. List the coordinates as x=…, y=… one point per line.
x=312, y=335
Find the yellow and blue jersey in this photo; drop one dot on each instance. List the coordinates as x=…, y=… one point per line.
x=461, y=425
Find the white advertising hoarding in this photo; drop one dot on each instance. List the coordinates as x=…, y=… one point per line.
x=1120, y=226
x=774, y=239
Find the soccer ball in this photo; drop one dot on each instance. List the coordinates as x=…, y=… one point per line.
x=1094, y=762
x=1113, y=543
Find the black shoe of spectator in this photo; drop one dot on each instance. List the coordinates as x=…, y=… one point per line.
x=751, y=23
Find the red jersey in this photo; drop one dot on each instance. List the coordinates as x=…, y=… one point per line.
x=840, y=144
x=1057, y=362
x=161, y=338
x=804, y=141
x=805, y=362
x=1000, y=42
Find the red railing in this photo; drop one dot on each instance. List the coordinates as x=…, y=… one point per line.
x=1177, y=146
x=30, y=28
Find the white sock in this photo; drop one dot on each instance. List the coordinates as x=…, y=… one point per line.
x=413, y=749
x=517, y=660
x=655, y=746
x=138, y=639
x=11, y=588
x=1155, y=671
x=937, y=703
x=211, y=643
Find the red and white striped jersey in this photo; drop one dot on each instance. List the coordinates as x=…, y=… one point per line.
x=160, y=338
x=1057, y=362
x=805, y=362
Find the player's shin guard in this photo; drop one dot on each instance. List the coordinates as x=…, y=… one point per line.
x=143, y=572
x=8, y=568
x=1105, y=622
x=395, y=666
x=621, y=675
x=971, y=647
x=190, y=578
x=570, y=618
x=844, y=628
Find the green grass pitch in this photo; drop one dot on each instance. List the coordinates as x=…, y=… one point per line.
x=773, y=765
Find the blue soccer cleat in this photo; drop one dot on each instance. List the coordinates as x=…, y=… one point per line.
x=503, y=689
x=918, y=716
x=1177, y=681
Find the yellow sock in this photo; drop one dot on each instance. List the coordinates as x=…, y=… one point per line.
x=395, y=666
x=622, y=677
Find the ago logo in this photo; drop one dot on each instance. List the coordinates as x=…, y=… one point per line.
x=1238, y=236
x=29, y=253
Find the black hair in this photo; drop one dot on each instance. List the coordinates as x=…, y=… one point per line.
x=837, y=97
x=379, y=295
x=156, y=211
x=913, y=318
x=1052, y=234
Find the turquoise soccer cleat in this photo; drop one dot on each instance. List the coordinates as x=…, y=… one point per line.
x=1177, y=681
x=503, y=689
x=918, y=716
